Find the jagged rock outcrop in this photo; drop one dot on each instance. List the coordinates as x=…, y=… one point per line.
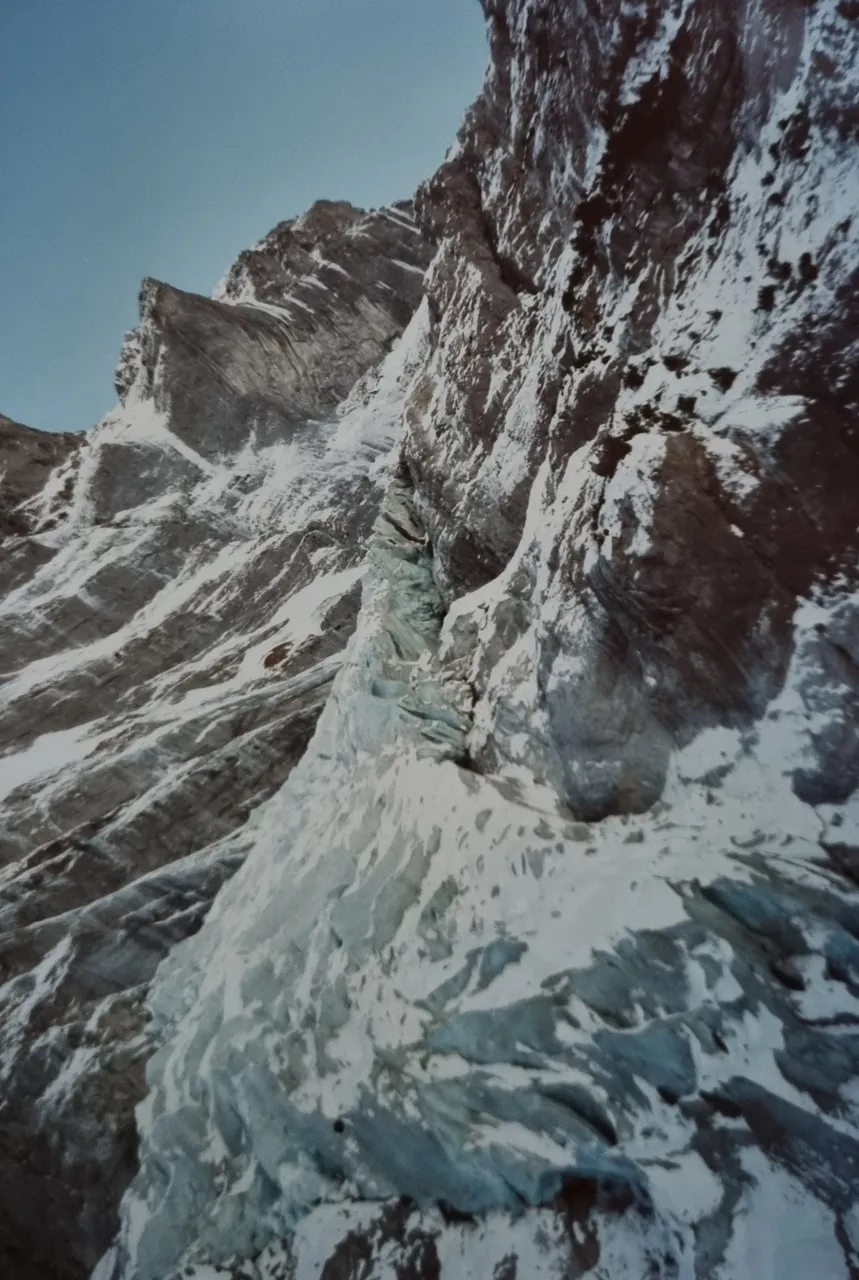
x=573, y=960
x=543, y=960
x=185, y=578
x=654, y=202
x=26, y=459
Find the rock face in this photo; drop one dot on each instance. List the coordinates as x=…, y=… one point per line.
x=178, y=587
x=651, y=211
x=543, y=960
x=572, y=962
x=27, y=457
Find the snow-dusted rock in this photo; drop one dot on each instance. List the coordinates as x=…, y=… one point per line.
x=646, y=281
x=543, y=960
x=553, y=932
x=178, y=590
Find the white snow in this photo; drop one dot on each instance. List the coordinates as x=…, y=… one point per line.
x=780, y=1230
x=49, y=753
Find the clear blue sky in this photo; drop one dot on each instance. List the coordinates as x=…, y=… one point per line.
x=161, y=137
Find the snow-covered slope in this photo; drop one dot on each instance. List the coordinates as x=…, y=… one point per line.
x=545, y=958
x=180, y=591
x=448, y=990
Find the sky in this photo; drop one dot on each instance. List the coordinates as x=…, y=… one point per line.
x=160, y=138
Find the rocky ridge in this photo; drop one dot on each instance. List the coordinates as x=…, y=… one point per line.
x=176, y=599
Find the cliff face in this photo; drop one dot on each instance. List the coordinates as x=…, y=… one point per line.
x=177, y=593
x=27, y=458
x=543, y=960
x=651, y=212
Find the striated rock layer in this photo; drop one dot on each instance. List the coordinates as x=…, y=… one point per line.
x=545, y=958
x=177, y=588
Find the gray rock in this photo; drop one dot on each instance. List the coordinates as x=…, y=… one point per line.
x=149, y=560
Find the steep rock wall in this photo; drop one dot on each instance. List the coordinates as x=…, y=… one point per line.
x=178, y=586
x=646, y=281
